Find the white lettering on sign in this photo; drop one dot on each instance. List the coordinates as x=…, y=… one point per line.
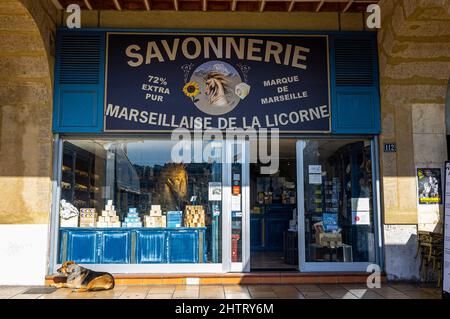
x=192, y=48
x=191, y=122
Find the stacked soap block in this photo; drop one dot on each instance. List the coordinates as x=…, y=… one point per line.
x=88, y=216
x=109, y=217
x=155, y=218
x=174, y=219
x=132, y=219
x=194, y=216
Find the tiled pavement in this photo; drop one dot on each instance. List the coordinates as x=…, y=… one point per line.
x=305, y=291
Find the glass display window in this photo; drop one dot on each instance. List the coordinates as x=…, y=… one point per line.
x=339, y=221
x=128, y=201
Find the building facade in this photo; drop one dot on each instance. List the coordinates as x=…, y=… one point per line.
x=364, y=149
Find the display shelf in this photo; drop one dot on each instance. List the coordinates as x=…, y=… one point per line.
x=77, y=169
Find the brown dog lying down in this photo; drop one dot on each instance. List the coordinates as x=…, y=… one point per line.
x=81, y=279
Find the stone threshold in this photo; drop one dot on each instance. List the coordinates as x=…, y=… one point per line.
x=258, y=278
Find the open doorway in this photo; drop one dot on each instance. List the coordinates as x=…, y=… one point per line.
x=273, y=213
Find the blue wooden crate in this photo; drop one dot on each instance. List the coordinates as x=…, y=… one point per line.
x=133, y=245
x=151, y=246
x=115, y=248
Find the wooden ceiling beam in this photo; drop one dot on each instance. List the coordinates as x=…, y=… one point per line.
x=349, y=4
x=117, y=5
x=234, y=5
x=262, y=5
x=319, y=6
x=88, y=4
x=291, y=5
x=147, y=5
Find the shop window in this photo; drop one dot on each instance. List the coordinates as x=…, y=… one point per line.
x=339, y=214
x=127, y=201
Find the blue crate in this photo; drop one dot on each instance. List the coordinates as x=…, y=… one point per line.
x=174, y=219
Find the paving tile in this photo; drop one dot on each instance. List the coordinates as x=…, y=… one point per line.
x=80, y=295
x=308, y=288
x=263, y=294
x=287, y=292
x=159, y=296
x=26, y=296
x=294, y=295
x=133, y=295
x=418, y=294
x=370, y=295
x=162, y=289
x=187, y=288
x=360, y=292
x=237, y=296
x=9, y=292
x=316, y=295
x=403, y=286
x=433, y=291
x=235, y=289
x=186, y=294
x=396, y=296
x=108, y=294
x=354, y=286
x=260, y=288
x=211, y=292
x=137, y=289
x=341, y=295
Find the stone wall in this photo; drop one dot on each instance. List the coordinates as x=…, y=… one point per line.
x=26, y=63
x=414, y=49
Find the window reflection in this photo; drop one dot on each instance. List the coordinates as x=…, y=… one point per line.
x=137, y=181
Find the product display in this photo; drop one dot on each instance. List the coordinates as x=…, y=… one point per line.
x=109, y=217
x=132, y=219
x=88, y=217
x=331, y=240
x=155, y=218
x=68, y=215
x=194, y=216
x=174, y=219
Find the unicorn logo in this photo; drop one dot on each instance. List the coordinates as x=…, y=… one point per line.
x=217, y=86
x=212, y=87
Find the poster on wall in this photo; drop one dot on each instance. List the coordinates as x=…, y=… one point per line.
x=446, y=267
x=164, y=81
x=215, y=191
x=429, y=186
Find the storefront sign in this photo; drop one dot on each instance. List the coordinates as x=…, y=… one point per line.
x=160, y=82
x=429, y=185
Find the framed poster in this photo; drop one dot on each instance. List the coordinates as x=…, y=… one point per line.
x=429, y=186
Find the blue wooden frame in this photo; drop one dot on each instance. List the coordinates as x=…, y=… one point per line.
x=354, y=109
x=90, y=246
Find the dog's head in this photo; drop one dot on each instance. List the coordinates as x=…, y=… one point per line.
x=68, y=268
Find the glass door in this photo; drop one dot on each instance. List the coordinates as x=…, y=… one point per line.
x=236, y=207
x=337, y=216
